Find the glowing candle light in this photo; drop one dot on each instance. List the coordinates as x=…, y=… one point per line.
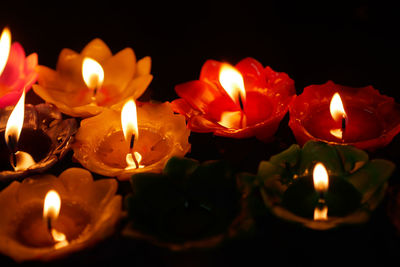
x=321, y=184
x=51, y=210
x=339, y=115
x=93, y=74
x=5, y=46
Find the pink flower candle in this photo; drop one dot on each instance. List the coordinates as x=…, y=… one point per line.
x=16, y=71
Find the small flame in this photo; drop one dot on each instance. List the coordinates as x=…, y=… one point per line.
x=131, y=163
x=24, y=161
x=336, y=108
x=321, y=178
x=232, y=82
x=321, y=213
x=59, y=238
x=5, y=45
x=16, y=120
x=52, y=205
x=93, y=73
x=129, y=120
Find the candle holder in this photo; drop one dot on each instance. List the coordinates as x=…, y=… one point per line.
x=356, y=184
x=101, y=147
x=18, y=74
x=372, y=119
x=89, y=211
x=65, y=87
x=45, y=135
x=189, y=206
x=256, y=111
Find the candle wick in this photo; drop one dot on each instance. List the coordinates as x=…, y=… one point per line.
x=343, y=127
x=49, y=226
x=12, y=146
x=131, y=145
x=240, y=101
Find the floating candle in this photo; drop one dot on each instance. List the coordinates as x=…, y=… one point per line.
x=77, y=86
x=45, y=217
x=365, y=118
x=17, y=73
x=355, y=188
x=238, y=101
x=33, y=142
x=102, y=147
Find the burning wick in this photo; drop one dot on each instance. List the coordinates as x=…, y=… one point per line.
x=321, y=183
x=131, y=144
x=14, y=127
x=93, y=75
x=130, y=130
x=232, y=82
x=338, y=113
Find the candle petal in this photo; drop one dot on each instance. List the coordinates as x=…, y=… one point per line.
x=120, y=69
x=97, y=49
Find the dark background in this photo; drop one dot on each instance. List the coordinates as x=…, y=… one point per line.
x=353, y=43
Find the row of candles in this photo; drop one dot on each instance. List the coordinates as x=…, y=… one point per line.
x=120, y=136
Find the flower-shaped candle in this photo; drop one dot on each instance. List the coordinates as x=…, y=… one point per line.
x=16, y=72
x=46, y=217
x=33, y=138
x=86, y=83
x=344, y=189
x=344, y=115
x=242, y=101
x=107, y=147
x=190, y=205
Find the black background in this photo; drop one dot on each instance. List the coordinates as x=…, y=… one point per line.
x=353, y=43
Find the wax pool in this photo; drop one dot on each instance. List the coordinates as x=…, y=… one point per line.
x=32, y=230
x=341, y=198
x=361, y=124
x=114, y=148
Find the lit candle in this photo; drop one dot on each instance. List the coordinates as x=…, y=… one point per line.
x=19, y=160
x=238, y=101
x=136, y=139
x=46, y=217
x=321, y=184
x=338, y=114
x=17, y=72
x=86, y=83
x=51, y=210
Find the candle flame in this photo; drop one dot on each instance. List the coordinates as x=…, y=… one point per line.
x=93, y=73
x=232, y=82
x=337, y=108
x=131, y=163
x=24, y=161
x=129, y=120
x=52, y=205
x=321, y=178
x=15, y=121
x=5, y=45
x=321, y=213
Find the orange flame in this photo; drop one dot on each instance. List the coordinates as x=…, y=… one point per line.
x=130, y=128
x=5, y=45
x=93, y=73
x=337, y=108
x=52, y=205
x=232, y=82
x=16, y=120
x=321, y=178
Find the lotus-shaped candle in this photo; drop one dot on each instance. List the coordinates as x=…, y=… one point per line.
x=239, y=102
x=86, y=83
x=17, y=72
x=79, y=213
x=45, y=137
x=189, y=206
x=354, y=186
x=101, y=145
x=363, y=117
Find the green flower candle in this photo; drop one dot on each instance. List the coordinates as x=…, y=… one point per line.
x=355, y=185
x=190, y=205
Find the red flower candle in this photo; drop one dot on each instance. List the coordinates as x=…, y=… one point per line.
x=242, y=101
x=17, y=72
x=338, y=114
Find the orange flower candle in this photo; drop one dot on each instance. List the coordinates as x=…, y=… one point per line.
x=86, y=83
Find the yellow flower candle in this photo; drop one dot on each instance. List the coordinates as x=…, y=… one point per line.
x=86, y=83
